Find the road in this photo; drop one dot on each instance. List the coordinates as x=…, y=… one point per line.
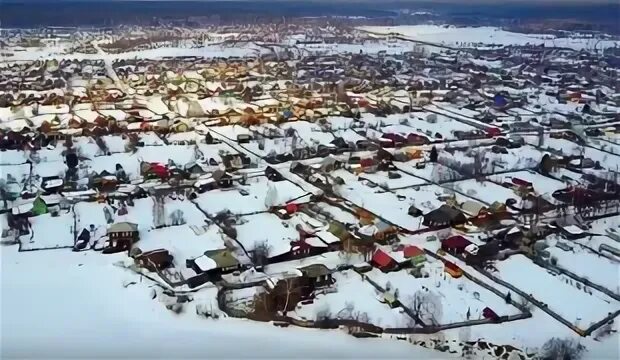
x=107, y=60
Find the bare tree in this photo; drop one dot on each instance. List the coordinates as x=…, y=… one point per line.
x=323, y=313
x=260, y=254
x=427, y=306
x=561, y=349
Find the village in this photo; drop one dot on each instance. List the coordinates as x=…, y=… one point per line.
x=328, y=177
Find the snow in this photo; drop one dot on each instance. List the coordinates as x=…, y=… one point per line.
x=453, y=301
x=432, y=172
x=181, y=241
x=451, y=35
x=542, y=185
x=484, y=191
x=351, y=289
x=137, y=325
x=266, y=227
x=91, y=213
x=381, y=178
x=48, y=232
x=576, y=306
x=598, y=269
x=218, y=200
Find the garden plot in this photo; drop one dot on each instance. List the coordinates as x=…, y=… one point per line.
x=49, y=168
x=309, y=133
x=233, y=200
x=337, y=213
x=587, y=264
x=49, y=232
x=383, y=179
x=542, y=185
x=451, y=298
x=183, y=241
x=349, y=135
x=525, y=157
x=178, y=212
x=92, y=213
x=578, y=304
x=129, y=162
x=243, y=299
x=214, y=151
x=433, y=172
x=566, y=147
x=266, y=228
x=427, y=197
x=484, y=191
x=179, y=154
x=353, y=299
x=141, y=213
x=379, y=202
x=15, y=173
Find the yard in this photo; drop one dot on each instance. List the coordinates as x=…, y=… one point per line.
x=575, y=302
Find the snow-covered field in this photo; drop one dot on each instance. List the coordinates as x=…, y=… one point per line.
x=454, y=36
x=92, y=314
x=354, y=298
x=455, y=296
x=572, y=303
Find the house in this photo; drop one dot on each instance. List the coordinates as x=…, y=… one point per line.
x=445, y=215
x=235, y=161
x=382, y=261
x=154, y=260
x=455, y=244
x=222, y=179
x=379, y=232
x=121, y=237
x=214, y=262
x=318, y=274
x=472, y=208
x=273, y=174
x=414, y=254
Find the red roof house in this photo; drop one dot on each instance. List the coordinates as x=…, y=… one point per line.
x=383, y=261
x=455, y=244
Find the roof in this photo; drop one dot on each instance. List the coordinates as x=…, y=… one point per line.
x=472, y=207
x=205, y=263
x=314, y=270
x=123, y=227
x=412, y=251
x=223, y=258
x=456, y=242
x=381, y=258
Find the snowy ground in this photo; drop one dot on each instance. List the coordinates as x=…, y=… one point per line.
x=455, y=296
x=354, y=297
x=580, y=308
x=486, y=35
x=598, y=269
x=89, y=316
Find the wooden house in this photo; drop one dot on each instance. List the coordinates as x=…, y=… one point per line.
x=444, y=216
x=318, y=274
x=154, y=260
x=121, y=237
